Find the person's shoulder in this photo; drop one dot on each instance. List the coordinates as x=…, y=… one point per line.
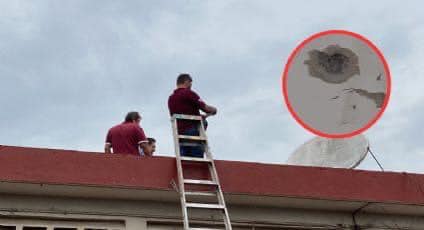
x=190, y=92
x=173, y=94
x=182, y=92
x=115, y=128
x=134, y=126
x=131, y=125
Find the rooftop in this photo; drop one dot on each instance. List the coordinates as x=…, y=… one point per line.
x=56, y=172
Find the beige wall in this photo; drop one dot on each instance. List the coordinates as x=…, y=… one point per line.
x=120, y=214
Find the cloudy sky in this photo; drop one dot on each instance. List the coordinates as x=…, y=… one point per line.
x=71, y=69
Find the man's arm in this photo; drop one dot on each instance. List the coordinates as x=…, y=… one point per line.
x=195, y=98
x=143, y=145
x=142, y=139
x=209, y=109
x=108, y=142
x=108, y=147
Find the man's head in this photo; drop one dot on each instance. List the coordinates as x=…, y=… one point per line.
x=133, y=117
x=184, y=80
x=150, y=147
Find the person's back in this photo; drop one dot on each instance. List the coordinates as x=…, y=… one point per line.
x=125, y=138
x=185, y=101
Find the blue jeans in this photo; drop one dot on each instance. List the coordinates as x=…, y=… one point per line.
x=192, y=151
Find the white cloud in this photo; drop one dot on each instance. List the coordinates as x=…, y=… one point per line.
x=70, y=70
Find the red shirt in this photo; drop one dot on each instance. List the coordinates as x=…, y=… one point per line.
x=125, y=138
x=185, y=101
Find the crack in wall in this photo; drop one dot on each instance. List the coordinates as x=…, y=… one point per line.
x=377, y=98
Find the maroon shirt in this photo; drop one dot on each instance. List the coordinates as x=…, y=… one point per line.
x=185, y=101
x=125, y=138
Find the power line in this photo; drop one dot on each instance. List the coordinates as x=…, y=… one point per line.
x=373, y=156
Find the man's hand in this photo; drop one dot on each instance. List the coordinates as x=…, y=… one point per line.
x=108, y=147
x=210, y=110
x=146, y=152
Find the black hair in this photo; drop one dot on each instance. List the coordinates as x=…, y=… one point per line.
x=151, y=140
x=182, y=78
x=132, y=116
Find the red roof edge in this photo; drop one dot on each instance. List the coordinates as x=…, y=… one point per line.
x=68, y=167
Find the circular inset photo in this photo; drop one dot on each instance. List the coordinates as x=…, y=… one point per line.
x=336, y=84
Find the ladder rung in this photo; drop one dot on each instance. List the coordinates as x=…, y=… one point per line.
x=201, y=182
x=205, y=193
x=197, y=159
x=186, y=117
x=190, y=144
x=206, y=228
x=212, y=197
x=188, y=137
x=206, y=206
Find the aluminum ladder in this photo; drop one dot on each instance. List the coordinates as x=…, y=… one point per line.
x=214, y=187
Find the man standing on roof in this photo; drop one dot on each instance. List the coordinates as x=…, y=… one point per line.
x=185, y=101
x=126, y=137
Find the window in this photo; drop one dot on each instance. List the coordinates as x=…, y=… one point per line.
x=52, y=224
x=5, y=227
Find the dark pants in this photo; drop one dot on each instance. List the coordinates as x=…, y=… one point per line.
x=198, y=149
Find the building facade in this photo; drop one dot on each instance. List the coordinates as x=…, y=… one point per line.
x=47, y=189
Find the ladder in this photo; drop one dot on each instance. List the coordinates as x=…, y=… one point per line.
x=185, y=185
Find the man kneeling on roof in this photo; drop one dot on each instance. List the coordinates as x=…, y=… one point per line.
x=185, y=101
x=127, y=137
x=150, y=147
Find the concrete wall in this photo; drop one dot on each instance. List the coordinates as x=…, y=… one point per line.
x=122, y=214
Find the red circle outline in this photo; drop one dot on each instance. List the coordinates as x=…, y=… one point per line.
x=290, y=60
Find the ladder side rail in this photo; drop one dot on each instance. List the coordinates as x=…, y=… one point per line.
x=202, y=133
x=221, y=199
x=180, y=173
x=211, y=167
x=214, y=175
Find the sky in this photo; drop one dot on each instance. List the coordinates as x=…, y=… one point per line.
x=70, y=70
